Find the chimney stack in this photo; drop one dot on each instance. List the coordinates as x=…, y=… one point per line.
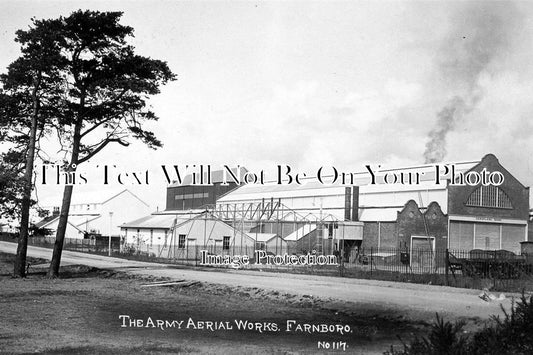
x=351, y=203
x=355, y=203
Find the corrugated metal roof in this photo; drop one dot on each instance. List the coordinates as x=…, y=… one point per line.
x=154, y=221
x=312, y=187
x=165, y=220
x=75, y=220
x=42, y=223
x=381, y=188
x=81, y=220
x=81, y=197
x=423, y=194
x=429, y=170
x=181, y=213
x=258, y=192
x=55, y=218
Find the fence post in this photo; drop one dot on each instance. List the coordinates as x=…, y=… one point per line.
x=371, y=261
x=341, y=266
x=446, y=269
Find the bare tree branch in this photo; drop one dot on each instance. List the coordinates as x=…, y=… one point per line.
x=102, y=146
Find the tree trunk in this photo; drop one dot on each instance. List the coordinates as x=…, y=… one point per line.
x=22, y=248
x=60, y=234
x=53, y=271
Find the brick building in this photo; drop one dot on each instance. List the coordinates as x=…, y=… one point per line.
x=433, y=211
x=459, y=218
x=187, y=196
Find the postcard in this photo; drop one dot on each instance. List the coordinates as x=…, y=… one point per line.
x=257, y=177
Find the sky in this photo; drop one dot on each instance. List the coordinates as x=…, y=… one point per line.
x=317, y=83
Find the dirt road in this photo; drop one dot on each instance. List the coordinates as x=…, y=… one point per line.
x=412, y=301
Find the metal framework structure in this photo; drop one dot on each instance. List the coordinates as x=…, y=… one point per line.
x=253, y=220
x=266, y=210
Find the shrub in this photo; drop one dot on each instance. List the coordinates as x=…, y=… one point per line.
x=512, y=334
x=444, y=338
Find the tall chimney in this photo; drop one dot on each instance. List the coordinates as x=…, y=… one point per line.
x=347, y=204
x=355, y=203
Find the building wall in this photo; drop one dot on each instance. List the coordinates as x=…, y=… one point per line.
x=397, y=195
x=141, y=237
x=124, y=206
x=388, y=235
x=409, y=223
x=465, y=235
x=195, y=196
x=489, y=228
x=379, y=234
x=517, y=193
x=71, y=232
x=197, y=232
x=277, y=246
x=412, y=222
x=317, y=240
x=370, y=235
x=207, y=231
x=461, y=236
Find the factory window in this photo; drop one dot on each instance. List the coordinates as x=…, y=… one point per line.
x=189, y=196
x=489, y=196
x=181, y=241
x=330, y=227
x=225, y=243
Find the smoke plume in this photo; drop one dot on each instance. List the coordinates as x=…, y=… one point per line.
x=479, y=36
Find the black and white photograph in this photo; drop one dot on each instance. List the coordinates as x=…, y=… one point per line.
x=266, y=177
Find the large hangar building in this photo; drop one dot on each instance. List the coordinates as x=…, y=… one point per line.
x=435, y=212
